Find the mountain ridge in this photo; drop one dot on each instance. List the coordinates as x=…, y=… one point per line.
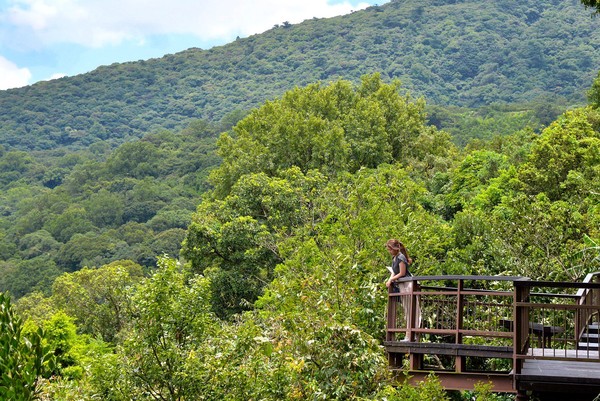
x=462, y=53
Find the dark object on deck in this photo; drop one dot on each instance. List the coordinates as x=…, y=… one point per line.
x=543, y=333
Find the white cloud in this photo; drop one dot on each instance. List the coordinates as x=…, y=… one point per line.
x=96, y=23
x=12, y=76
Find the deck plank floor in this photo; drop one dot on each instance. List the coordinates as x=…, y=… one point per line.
x=561, y=370
x=568, y=354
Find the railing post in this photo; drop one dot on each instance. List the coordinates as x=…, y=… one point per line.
x=414, y=318
x=516, y=294
x=394, y=359
x=391, y=316
x=459, y=361
x=521, y=325
x=459, y=311
x=596, y=298
x=416, y=360
x=408, y=297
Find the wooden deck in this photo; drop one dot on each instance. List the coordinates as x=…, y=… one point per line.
x=525, y=337
x=564, y=354
x=553, y=379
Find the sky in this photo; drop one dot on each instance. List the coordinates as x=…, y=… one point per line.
x=48, y=39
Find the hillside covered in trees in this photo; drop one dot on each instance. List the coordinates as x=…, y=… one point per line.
x=460, y=53
x=280, y=294
x=75, y=196
x=235, y=251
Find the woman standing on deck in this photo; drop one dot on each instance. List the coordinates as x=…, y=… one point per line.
x=400, y=263
x=400, y=268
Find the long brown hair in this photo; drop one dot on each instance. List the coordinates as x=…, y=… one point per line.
x=398, y=246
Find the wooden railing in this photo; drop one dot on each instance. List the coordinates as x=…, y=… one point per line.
x=465, y=319
x=565, y=311
x=484, y=316
x=453, y=307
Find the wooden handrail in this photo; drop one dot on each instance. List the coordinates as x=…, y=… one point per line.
x=587, y=296
x=461, y=291
x=556, y=284
x=463, y=278
x=588, y=279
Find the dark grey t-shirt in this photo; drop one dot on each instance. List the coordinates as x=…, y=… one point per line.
x=396, y=264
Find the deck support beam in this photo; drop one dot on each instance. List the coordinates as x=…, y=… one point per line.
x=453, y=381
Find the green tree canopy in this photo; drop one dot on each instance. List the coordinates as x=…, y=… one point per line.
x=169, y=319
x=333, y=128
x=23, y=361
x=97, y=298
x=566, y=153
x=276, y=162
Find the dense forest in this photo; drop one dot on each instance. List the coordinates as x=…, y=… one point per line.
x=237, y=252
x=279, y=292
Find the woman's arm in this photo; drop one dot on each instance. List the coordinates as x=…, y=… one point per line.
x=402, y=272
x=403, y=269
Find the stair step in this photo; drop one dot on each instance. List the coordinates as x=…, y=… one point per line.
x=593, y=328
x=588, y=346
x=590, y=337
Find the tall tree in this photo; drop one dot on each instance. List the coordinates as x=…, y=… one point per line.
x=23, y=360
x=334, y=128
x=97, y=298
x=275, y=164
x=169, y=320
x=567, y=151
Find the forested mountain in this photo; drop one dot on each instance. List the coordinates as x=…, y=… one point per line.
x=461, y=53
x=251, y=267
x=280, y=293
x=77, y=188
